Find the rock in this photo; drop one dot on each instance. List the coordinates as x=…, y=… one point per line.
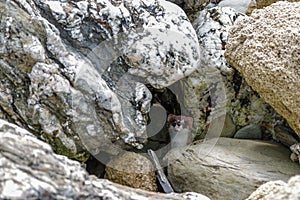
x=217, y=95
x=264, y=49
x=295, y=156
x=251, y=131
x=252, y=6
x=133, y=170
x=277, y=190
x=264, y=3
x=167, y=51
x=229, y=127
x=239, y=5
x=285, y=135
x=158, y=118
x=191, y=7
x=220, y=168
x=73, y=72
x=29, y=169
x=259, y=4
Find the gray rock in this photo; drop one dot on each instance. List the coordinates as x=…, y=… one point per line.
x=191, y=7
x=220, y=168
x=251, y=131
x=73, y=72
x=157, y=44
x=295, y=156
x=225, y=124
x=238, y=5
x=285, y=135
x=133, y=170
x=29, y=169
x=263, y=48
x=258, y=4
x=229, y=127
x=264, y=3
x=278, y=190
x=217, y=93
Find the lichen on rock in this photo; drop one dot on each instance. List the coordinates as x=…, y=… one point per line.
x=57, y=80
x=221, y=95
x=264, y=48
x=133, y=170
x=29, y=169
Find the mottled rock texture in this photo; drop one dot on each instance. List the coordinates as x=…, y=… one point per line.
x=228, y=168
x=265, y=3
x=295, y=156
x=258, y=4
x=133, y=170
x=74, y=72
x=278, y=190
x=265, y=48
x=29, y=169
x=191, y=7
x=221, y=94
x=238, y=5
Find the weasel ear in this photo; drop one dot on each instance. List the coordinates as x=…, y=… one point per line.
x=171, y=118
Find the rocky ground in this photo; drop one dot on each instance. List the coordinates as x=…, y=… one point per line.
x=87, y=87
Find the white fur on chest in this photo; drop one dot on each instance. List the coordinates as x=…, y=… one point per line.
x=179, y=137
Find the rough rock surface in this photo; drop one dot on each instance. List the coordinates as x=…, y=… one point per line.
x=265, y=48
x=295, y=156
x=264, y=3
x=258, y=4
x=278, y=190
x=239, y=5
x=191, y=7
x=29, y=169
x=132, y=169
x=285, y=136
x=67, y=68
x=220, y=170
x=217, y=94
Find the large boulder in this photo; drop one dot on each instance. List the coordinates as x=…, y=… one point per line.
x=29, y=169
x=278, y=190
x=72, y=72
x=228, y=168
x=191, y=7
x=264, y=3
x=239, y=5
x=217, y=95
x=265, y=48
x=258, y=4
x=132, y=169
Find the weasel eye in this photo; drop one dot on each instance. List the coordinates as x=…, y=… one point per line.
x=174, y=123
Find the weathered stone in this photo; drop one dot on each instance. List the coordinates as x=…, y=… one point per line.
x=219, y=168
x=239, y=5
x=285, y=136
x=228, y=128
x=132, y=169
x=251, y=131
x=73, y=72
x=168, y=50
x=278, y=190
x=295, y=156
x=264, y=3
x=220, y=93
x=258, y=4
x=191, y=7
x=29, y=169
x=265, y=48
x=252, y=6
